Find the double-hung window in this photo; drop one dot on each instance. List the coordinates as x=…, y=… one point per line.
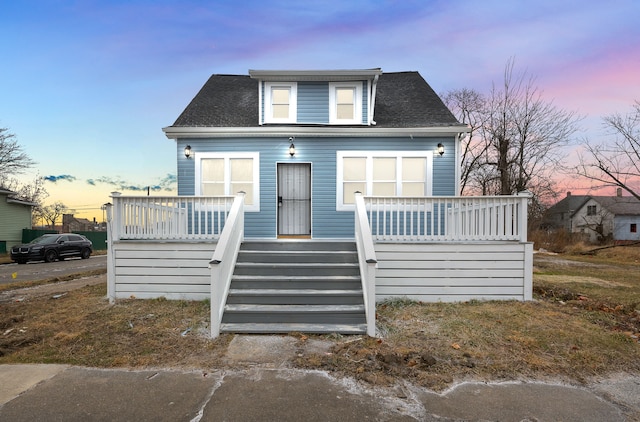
x=345, y=103
x=382, y=173
x=229, y=174
x=592, y=210
x=280, y=102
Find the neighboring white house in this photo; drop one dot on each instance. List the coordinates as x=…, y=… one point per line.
x=598, y=217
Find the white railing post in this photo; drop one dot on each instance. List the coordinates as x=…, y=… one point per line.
x=523, y=214
x=367, y=261
x=111, y=268
x=223, y=261
x=116, y=216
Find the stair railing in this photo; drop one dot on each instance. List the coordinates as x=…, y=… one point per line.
x=223, y=261
x=367, y=261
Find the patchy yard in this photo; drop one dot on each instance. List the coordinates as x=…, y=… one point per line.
x=584, y=323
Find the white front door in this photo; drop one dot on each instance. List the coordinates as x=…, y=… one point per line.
x=294, y=199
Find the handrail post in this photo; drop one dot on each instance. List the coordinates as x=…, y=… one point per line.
x=367, y=261
x=524, y=214
x=223, y=261
x=111, y=268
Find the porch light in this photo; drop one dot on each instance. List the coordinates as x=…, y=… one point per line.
x=187, y=151
x=440, y=149
x=292, y=148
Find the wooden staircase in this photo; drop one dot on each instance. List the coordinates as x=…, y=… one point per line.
x=295, y=286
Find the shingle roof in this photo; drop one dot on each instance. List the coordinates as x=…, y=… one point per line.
x=569, y=204
x=617, y=205
x=404, y=99
x=223, y=101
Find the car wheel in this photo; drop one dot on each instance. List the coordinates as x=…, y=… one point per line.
x=86, y=253
x=50, y=256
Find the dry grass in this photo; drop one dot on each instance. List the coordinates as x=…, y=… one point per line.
x=82, y=328
x=584, y=324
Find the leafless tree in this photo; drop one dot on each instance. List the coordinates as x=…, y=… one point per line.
x=468, y=106
x=13, y=160
x=518, y=137
x=616, y=163
x=51, y=213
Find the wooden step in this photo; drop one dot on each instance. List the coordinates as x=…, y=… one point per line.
x=280, y=287
x=266, y=328
x=275, y=309
x=296, y=296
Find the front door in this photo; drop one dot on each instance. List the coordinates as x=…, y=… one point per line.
x=294, y=199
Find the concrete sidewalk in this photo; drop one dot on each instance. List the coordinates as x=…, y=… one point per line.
x=265, y=389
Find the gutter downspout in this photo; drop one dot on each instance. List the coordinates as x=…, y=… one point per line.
x=372, y=103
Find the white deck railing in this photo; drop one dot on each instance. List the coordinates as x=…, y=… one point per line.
x=170, y=217
x=447, y=218
x=223, y=262
x=368, y=263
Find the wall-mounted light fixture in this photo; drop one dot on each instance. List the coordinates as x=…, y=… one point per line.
x=187, y=151
x=292, y=147
x=440, y=149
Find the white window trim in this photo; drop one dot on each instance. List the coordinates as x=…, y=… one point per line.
x=369, y=155
x=293, y=102
x=227, y=174
x=357, y=101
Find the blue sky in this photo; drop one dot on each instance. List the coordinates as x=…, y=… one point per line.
x=88, y=85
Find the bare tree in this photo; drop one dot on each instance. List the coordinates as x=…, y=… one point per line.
x=468, y=106
x=13, y=160
x=516, y=137
x=525, y=136
x=51, y=213
x=616, y=163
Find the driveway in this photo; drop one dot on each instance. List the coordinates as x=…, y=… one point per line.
x=34, y=271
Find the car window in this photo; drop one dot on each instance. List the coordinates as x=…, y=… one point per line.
x=63, y=239
x=75, y=238
x=45, y=239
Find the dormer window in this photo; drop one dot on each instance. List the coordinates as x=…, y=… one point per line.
x=345, y=103
x=316, y=97
x=280, y=103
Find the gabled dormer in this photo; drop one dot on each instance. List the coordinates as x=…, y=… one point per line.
x=316, y=97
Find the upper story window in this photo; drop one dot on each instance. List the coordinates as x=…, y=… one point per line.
x=345, y=103
x=592, y=210
x=280, y=102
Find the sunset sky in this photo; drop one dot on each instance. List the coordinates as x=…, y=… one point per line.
x=88, y=85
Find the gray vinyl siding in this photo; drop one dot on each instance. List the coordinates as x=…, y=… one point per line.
x=313, y=102
x=321, y=152
x=365, y=103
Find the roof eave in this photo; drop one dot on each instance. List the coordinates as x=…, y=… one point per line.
x=21, y=202
x=172, y=132
x=314, y=75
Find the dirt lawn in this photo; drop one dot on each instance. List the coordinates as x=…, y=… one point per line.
x=583, y=324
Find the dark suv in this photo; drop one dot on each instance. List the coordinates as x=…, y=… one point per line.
x=50, y=247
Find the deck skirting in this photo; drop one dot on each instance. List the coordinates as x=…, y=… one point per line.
x=429, y=272
x=154, y=269
x=452, y=272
